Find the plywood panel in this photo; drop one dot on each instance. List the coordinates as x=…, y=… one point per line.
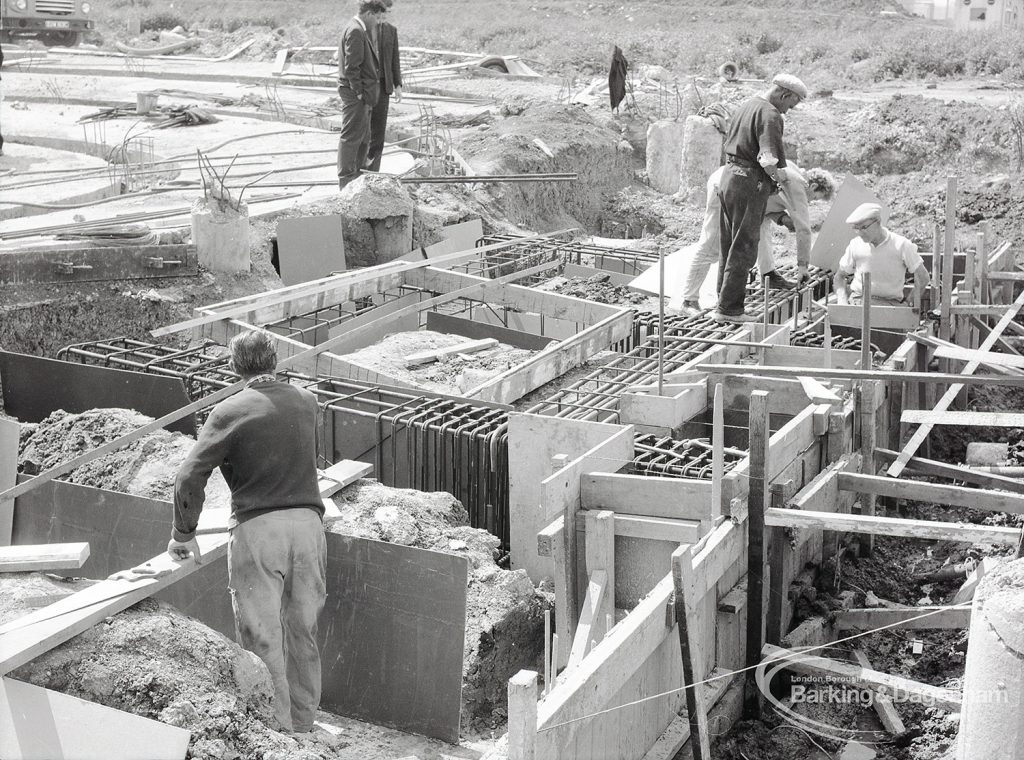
x=310, y=247
x=40, y=724
x=835, y=233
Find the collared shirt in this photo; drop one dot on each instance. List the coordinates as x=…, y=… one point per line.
x=889, y=262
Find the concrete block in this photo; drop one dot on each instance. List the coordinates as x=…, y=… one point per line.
x=221, y=236
x=701, y=156
x=664, y=150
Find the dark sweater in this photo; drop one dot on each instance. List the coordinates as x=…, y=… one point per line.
x=264, y=441
x=756, y=128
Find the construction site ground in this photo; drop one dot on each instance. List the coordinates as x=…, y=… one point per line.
x=901, y=138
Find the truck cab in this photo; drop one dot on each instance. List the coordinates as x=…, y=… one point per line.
x=54, y=22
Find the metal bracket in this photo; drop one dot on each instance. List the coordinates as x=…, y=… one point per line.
x=157, y=262
x=66, y=267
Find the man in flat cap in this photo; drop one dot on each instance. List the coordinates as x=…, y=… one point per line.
x=754, y=157
x=358, y=88
x=888, y=257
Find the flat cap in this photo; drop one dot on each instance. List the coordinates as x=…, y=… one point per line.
x=865, y=212
x=791, y=83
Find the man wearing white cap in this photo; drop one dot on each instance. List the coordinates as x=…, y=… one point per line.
x=754, y=157
x=888, y=257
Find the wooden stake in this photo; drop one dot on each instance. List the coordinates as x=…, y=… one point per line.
x=764, y=311
x=946, y=290
x=661, y=319
x=828, y=342
x=689, y=647
x=547, y=651
x=868, y=432
x=775, y=627
x=522, y=716
x=865, y=328
x=757, y=501
x=717, y=450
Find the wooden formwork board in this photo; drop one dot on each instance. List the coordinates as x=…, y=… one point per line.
x=555, y=360
x=639, y=657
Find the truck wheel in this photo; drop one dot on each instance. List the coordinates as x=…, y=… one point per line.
x=63, y=39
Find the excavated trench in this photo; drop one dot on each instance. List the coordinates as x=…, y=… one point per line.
x=202, y=681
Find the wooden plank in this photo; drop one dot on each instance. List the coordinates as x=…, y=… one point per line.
x=790, y=441
x=677, y=405
x=934, y=493
x=857, y=374
x=591, y=617
x=650, y=496
x=969, y=419
x=22, y=559
x=951, y=393
x=653, y=528
x=28, y=637
x=868, y=396
x=907, y=618
x=41, y=724
x=469, y=347
x=724, y=547
x=10, y=432
x=575, y=270
x=475, y=329
x=717, y=450
x=896, y=318
x=955, y=472
x=678, y=733
x=893, y=526
x=555, y=360
x=850, y=674
x=883, y=705
x=989, y=358
x=82, y=264
x=803, y=356
x=1006, y=276
x=689, y=645
x=757, y=501
x=599, y=555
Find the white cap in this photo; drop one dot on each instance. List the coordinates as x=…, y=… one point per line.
x=791, y=83
x=865, y=212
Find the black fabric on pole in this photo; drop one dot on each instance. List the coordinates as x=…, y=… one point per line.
x=617, y=77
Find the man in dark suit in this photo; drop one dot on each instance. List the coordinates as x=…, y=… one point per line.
x=358, y=88
x=390, y=83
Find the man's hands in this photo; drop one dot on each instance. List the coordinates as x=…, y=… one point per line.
x=180, y=550
x=397, y=95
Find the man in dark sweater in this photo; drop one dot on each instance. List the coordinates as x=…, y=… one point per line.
x=390, y=70
x=264, y=441
x=754, y=156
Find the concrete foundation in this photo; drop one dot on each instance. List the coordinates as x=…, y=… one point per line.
x=664, y=151
x=991, y=721
x=377, y=216
x=701, y=155
x=221, y=236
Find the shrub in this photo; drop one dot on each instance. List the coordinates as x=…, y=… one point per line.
x=766, y=43
x=162, y=20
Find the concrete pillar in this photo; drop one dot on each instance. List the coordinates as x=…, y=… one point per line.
x=377, y=216
x=701, y=156
x=991, y=720
x=664, y=149
x=220, y=234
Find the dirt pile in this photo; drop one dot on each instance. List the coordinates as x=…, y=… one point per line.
x=454, y=374
x=504, y=612
x=153, y=661
x=550, y=138
x=599, y=288
x=145, y=467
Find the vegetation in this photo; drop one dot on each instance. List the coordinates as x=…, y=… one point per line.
x=564, y=37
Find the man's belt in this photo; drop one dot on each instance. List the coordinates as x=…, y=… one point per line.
x=735, y=161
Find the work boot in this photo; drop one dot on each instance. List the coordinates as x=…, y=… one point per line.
x=777, y=282
x=690, y=308
x=735, y=318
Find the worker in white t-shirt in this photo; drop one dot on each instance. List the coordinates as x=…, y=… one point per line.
x=888, y=257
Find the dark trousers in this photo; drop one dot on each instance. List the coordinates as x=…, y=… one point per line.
x=378, y=123
x=354, y=139
x=744, y=196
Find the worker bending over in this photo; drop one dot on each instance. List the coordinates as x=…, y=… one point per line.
x=264, y=441
x=789, y=208
x=888, y=257
x=754, y=157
